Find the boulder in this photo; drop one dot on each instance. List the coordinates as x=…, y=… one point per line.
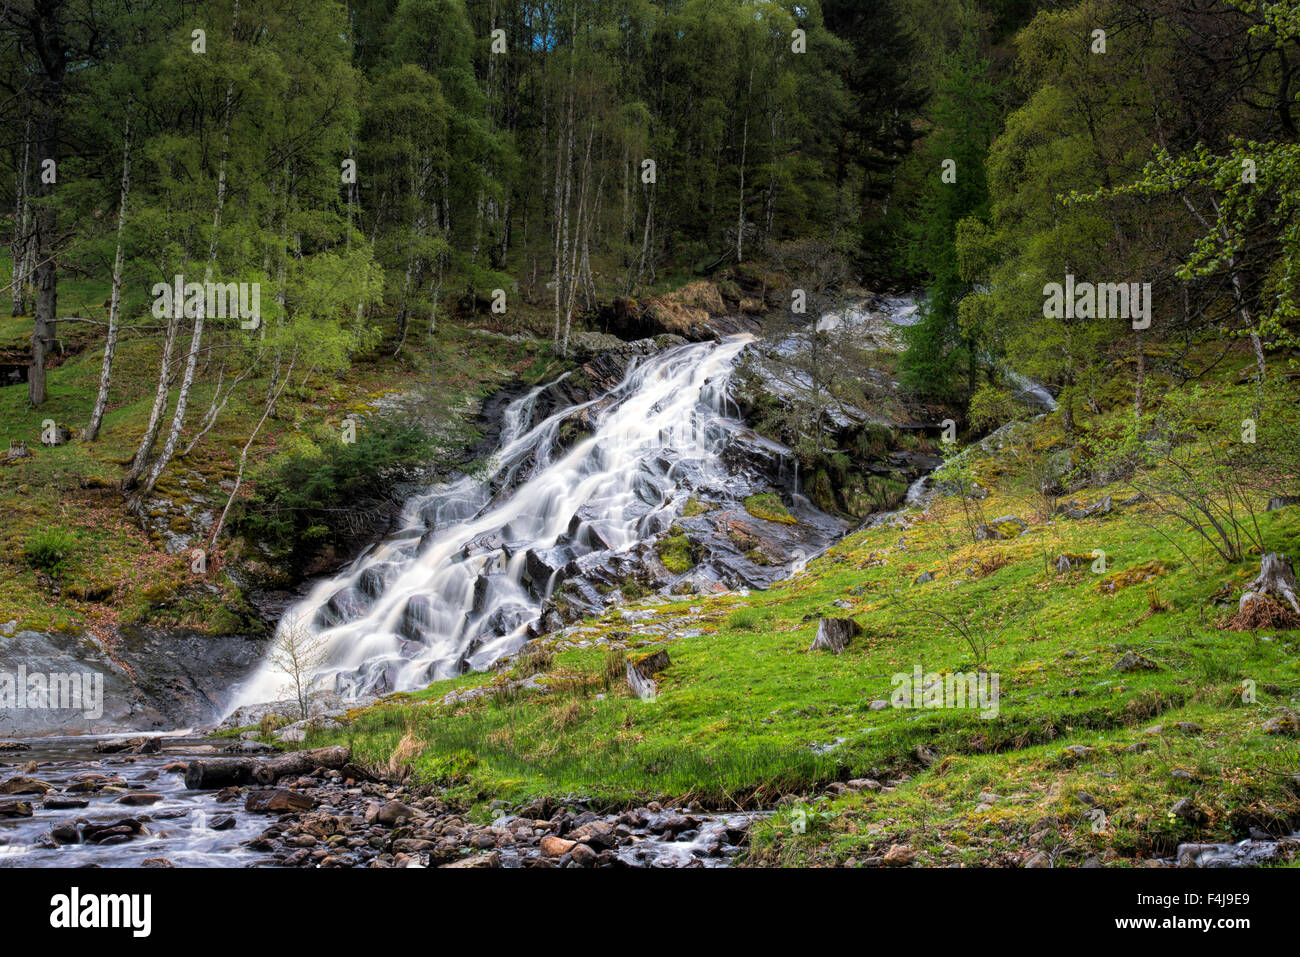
x=1008, y=526
x=1283, y=724
x=1095, y=510
x=1132, y=661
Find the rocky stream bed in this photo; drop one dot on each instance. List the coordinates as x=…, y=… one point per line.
x=83, y=802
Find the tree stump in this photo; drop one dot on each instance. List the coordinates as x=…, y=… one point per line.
x=1277, y=578
x=640, y=674
x=834, y=634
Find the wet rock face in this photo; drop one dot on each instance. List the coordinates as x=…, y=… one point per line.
x=873, y=428
x=156, y=679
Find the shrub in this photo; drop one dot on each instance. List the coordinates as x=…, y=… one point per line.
x=745, y=619
x=50, y=550
x=306, y=503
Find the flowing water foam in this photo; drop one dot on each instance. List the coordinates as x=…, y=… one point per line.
x=461, y=582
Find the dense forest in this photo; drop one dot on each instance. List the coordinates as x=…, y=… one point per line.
x=411, y=342
x=437, y=159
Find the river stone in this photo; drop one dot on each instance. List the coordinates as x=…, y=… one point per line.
x=553, y=846
x=141, y=798
x=25, y=785
x=59, y=803
x=490, y=859
x=278, y=799
x=15, y=808
x=393, y=813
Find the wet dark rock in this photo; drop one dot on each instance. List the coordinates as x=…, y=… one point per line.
x=155, y=679
x=65, y=834
x=60, y=803
x=139, y=799
x=115, y=833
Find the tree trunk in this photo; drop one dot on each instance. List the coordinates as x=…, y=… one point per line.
x=243, y=457
x=21, y=241
x=115, y=297
x=141, y=457
x=196, y=340
x=1141, y=377
x=744, y=149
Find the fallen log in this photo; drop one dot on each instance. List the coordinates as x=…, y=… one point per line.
x=301, y=762
x=234, y=772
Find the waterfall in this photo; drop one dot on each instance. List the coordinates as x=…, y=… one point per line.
x=459, y=585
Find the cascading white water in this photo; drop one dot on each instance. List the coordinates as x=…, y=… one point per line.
x=460, y=584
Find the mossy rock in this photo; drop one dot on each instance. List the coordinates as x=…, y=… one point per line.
x=1138, y=574
x=88, y=591
x=159, y=593
x=769, y=507
x=676, y=553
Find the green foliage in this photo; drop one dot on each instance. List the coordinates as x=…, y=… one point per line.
x=939, y=350
x=50, y=550
x=307, y=502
